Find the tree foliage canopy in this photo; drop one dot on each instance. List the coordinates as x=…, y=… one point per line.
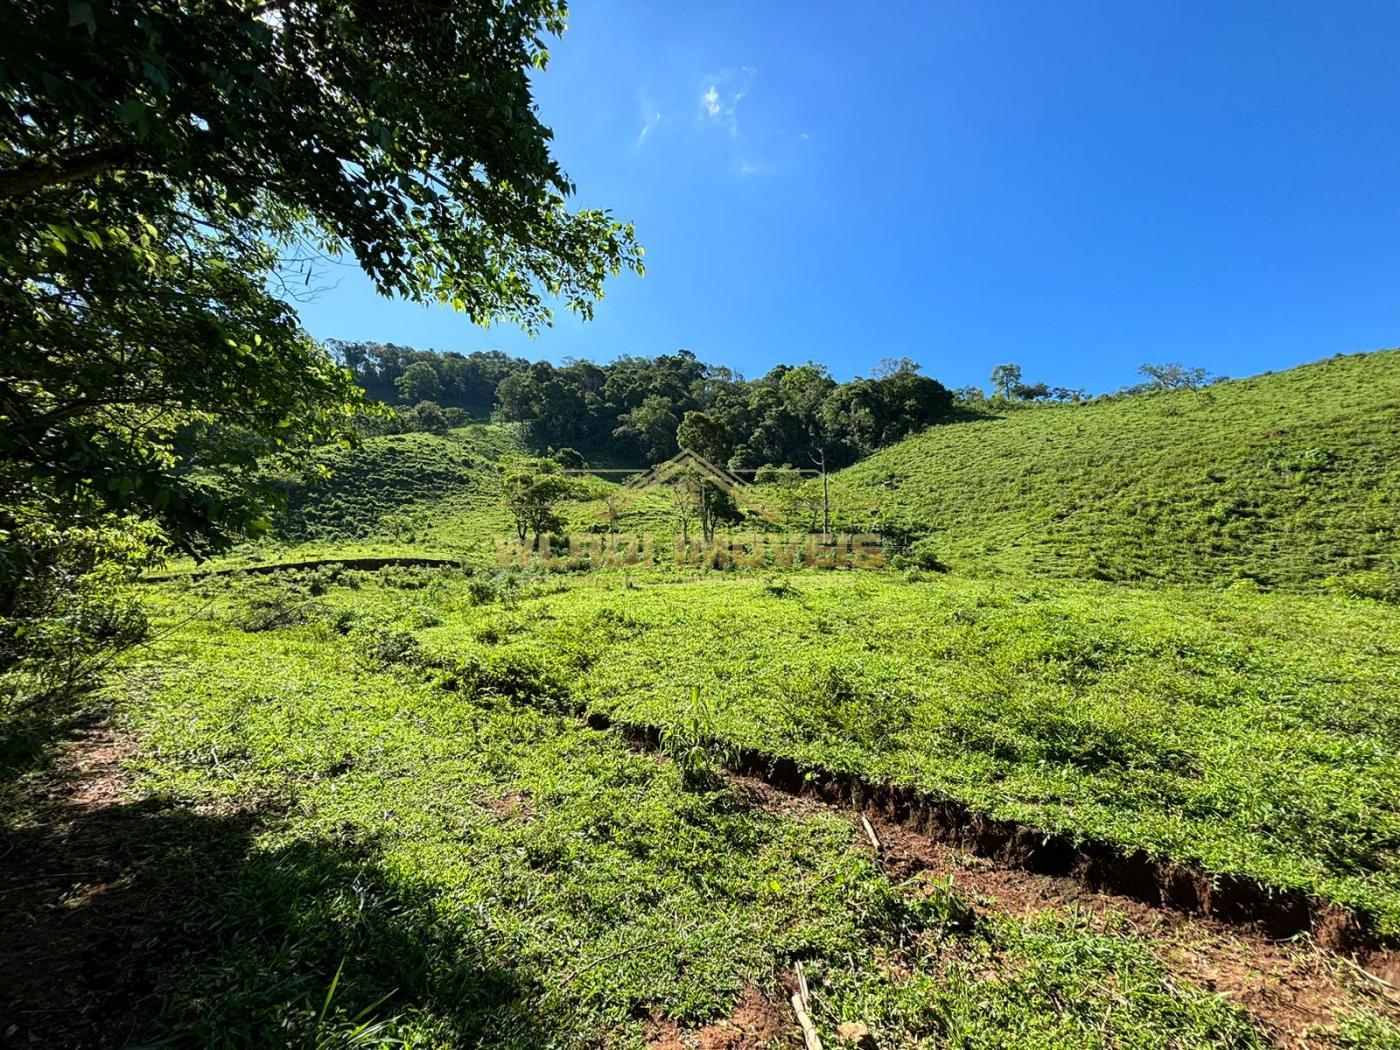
x=161, y=163
x=171, y=173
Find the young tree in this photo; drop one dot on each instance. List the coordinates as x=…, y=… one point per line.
x=533, y=490
x=686, y=492
x=1005, y=379
x=716, y=506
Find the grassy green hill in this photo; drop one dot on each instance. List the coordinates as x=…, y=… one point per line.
x=425, y=494
x=1287, y=479
x=378, y=489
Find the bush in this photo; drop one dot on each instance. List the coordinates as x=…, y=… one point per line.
x=66, y=603
x=919, y=555
x=693, y=742
x=384, y=646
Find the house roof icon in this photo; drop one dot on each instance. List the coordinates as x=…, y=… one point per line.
x=687, y=459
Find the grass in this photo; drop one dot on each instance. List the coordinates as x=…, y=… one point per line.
x=1290, y=480
x=1252, y=733
x=368, y=851
x=424, y=495
x=368, y=813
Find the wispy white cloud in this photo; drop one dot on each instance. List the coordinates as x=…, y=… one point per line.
x=649, y=124
x=721, y=94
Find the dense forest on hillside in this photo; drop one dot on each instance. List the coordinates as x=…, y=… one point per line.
x=631, y=409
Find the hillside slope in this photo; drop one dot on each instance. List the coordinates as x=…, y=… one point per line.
x=409, y=494
x=1287, y=479
x=393, y=487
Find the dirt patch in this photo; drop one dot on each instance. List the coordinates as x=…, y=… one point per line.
x=1292, y=989
x=88, y=879
x=755, y=1023
x=49, y=875
x=1101, y=866
x=513, y=805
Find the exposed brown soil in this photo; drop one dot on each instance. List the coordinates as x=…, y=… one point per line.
x=49, y=875
x=754, y=1024
x=1294, y=989
x=1279, y=913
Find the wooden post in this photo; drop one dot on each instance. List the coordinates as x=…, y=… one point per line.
x=809, y=1030
x=826, y=498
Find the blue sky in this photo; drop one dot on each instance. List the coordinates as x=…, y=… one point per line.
x=1075, y=187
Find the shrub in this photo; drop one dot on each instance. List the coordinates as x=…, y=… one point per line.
x=919, y=555
x=384, y=646
x=66, y=604
x=694, y=744
x=271, y=613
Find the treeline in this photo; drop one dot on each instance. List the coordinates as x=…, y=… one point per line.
x=642, y=409
x=402, y=375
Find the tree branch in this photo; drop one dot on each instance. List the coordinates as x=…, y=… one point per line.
x=32, y=176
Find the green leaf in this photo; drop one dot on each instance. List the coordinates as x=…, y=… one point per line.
x=80, y=14
x=155, y=76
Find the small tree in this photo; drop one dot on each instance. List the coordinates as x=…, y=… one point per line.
x=685, y=497
x=1174, y=376
x=697, y=497
x=1005, y=379
x=534, y=488
x=430, y=417
x=716, y=505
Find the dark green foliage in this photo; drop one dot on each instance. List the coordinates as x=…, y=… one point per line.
x=66, y=602
x=407, y=138
x=418, y=383
x=466, y=381
x=637, y=409
x=533, y=489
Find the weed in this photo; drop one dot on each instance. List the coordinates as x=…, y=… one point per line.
x=693, y=743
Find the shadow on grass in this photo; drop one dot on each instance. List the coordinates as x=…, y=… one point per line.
x=29, y=739
x=148, y=923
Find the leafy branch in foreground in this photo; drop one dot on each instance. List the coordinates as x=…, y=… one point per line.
x=166, y=169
